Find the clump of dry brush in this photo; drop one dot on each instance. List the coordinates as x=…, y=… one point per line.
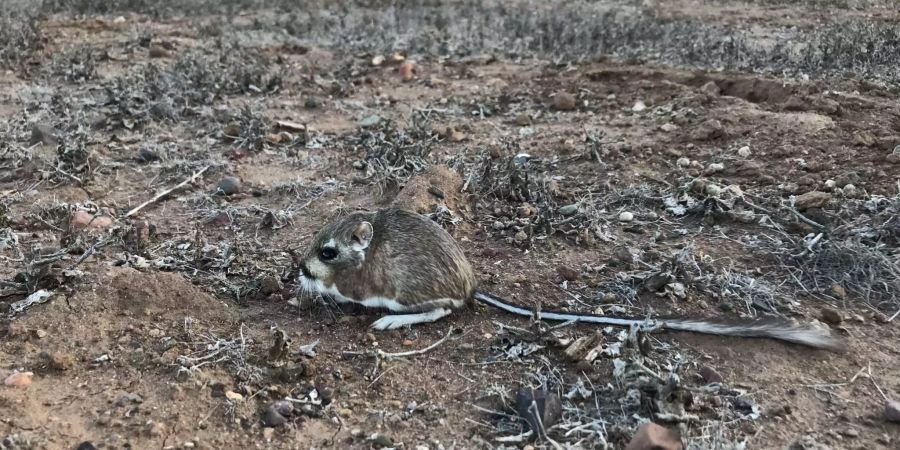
x=392, y=155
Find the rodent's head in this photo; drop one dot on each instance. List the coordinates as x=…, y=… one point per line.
x=336, y=250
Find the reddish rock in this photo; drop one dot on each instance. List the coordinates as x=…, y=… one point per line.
x=812, y=199
x=567, y=273
x=651, y=436
x=19, y=379
x=407, y=71
x=83, y=219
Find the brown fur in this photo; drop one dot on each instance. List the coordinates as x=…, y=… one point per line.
x=410, y=259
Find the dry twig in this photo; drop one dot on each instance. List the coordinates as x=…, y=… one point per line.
x=381, y=354
x=166, y=192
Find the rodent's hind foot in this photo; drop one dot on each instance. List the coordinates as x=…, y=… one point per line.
x=395, y=321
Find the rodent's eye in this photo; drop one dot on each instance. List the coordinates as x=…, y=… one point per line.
x=327, y=253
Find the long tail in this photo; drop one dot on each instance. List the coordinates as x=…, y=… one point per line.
x=774, y=328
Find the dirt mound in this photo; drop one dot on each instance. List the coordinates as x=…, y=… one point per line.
x=158, y=294
x=755, y=90
x=438, y=186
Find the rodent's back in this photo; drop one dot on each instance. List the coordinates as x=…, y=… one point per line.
x=423, y=260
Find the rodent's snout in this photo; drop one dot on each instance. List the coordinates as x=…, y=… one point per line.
x=304, y=270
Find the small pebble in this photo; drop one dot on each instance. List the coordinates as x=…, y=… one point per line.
x=456, y=136
x=158, y=51
x=523, y=120
x=146, y=155
x=84, y=219
x=283, y=407
x=270, y=285
x=407, y=71
x=271, y=417
x=407, y=343
x=892, y=411
x=567, y=273
x=370, y=121
x=312, y=102
x=153, y=428
x=563, y=101
x=831, y=316
x=568, y=210
x=838, y=291
x=744, y=152
x=711, y=88
x=829, y=184
x=622, y=255
x=526, y=210
x=229, y=186
x=812, y=199
x=710, y=375
x=382, y=441
x=656, y=437
x=19, y=379
x=714, y=168
x=683, y=161
x=626, y=216
x=58, y=360
x=234, y=396
x=714, y=190
x=129, y=398
x=668, y=127
x=850, y=190
x=639, y=106
x=520, y=236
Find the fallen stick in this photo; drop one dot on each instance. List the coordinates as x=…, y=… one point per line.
x=381, y=354
x=166, y=192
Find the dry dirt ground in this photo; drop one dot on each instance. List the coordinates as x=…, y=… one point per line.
x=667, y=173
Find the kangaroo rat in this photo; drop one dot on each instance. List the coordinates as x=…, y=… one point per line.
x=406, y=263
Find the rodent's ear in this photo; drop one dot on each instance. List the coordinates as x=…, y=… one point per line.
x=362, y=236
